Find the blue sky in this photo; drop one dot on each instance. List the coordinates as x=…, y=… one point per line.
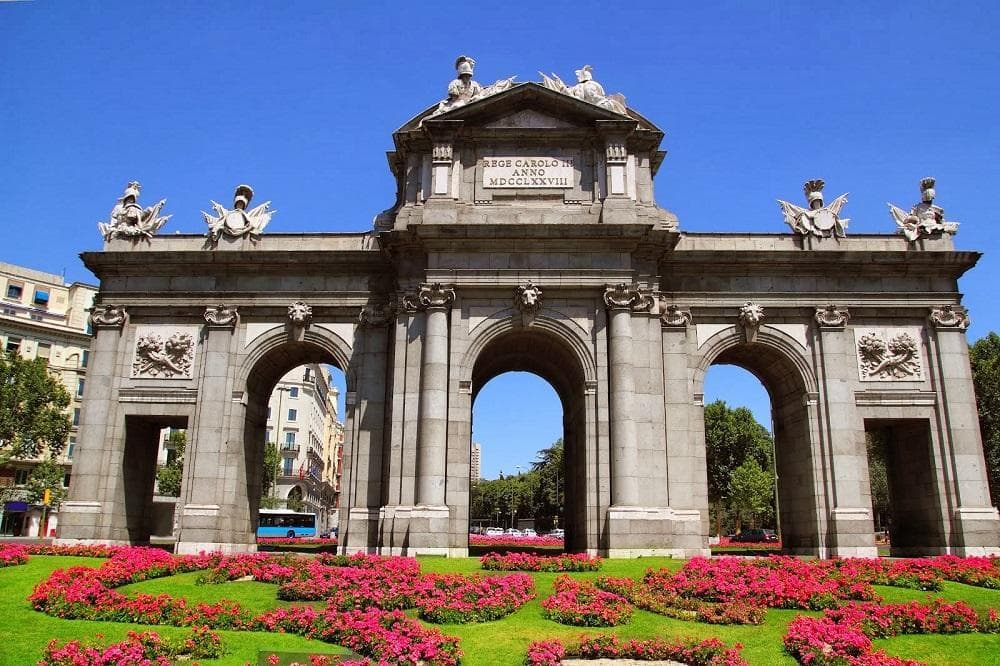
x=300, y=100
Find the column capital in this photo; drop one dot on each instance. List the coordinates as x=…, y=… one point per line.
x=108, y=316
x=222, y=316
x=434, y=296
x=624, y=296
x=376, y=315
x=830, y=316
x=674, y=317
x=953, y=317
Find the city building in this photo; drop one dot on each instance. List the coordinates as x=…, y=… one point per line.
x=42, y=317
x=476, y=466
x=297, y=421
x=333, y=454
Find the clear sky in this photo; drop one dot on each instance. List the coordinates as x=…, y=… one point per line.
x=300, y=100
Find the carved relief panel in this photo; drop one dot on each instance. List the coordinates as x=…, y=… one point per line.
x=887, y=354
x=164, y=352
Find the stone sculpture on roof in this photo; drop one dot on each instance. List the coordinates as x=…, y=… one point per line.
x=464, y=89
x=238, y=222
x=817, y=220
x=924, y=219
x=586, y=89
x=130, y=220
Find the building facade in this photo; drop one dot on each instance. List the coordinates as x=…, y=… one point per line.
x=43, y=317
x=525, y=236
x=475, y=464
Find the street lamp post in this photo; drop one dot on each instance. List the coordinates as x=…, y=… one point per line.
x=513, y=490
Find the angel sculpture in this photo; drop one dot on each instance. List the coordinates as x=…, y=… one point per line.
x=238, y=222
x=817, y=220
x=924, y=219
x=586, y=89
x=130, y=220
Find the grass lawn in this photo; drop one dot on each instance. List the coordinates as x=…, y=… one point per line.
x=503, y=642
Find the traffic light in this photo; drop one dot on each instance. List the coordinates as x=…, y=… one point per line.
x=47, y=497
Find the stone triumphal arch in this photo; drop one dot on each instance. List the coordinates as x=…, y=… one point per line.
x=525, y=236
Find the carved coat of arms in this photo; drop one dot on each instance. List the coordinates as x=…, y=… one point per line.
x=163, y=358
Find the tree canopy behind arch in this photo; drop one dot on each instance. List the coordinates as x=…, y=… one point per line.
x=984, y=356
x=33, y=406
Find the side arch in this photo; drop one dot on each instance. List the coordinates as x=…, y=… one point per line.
x=274, y=352
x=781, y=351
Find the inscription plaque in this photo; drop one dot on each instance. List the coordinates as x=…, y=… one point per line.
x=528, y=172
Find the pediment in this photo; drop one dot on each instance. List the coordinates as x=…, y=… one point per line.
x=528, y=105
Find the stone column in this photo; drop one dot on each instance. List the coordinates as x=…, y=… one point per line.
x=620, y=301
x=975, y=523
x=432, y=438
x=92, y=514
x=850, y=519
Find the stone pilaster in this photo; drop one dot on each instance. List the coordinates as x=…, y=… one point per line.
x=850, y=526
x=975, y=523
x=619, y=301
x=214, y=507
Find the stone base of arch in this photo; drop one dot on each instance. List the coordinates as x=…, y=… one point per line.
x=226, y=548
x=853, y=533
x=641, y=531
x=417, y=530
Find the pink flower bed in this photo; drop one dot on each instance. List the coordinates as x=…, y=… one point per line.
x=360, y=581
x=87, y=593
x=460, y=599
x=582, y=603
x=12, y=555
x=705, y=652
x=843, y=635
x=139, y=648
x=511, y=541
x=671, y=604
x=531, y=562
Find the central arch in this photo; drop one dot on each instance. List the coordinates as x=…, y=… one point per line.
x=776, y=360
x=545, y=354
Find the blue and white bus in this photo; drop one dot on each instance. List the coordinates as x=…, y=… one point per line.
x=283, y=523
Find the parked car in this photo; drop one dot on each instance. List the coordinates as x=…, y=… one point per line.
x=494, y=531
x=512, y=531
x=558, y=533
x=756, y=535
x=528, y=533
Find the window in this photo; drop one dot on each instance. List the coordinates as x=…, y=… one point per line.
x=268, y=413
x=10, y=311
x=20, y=477
x=84, y=358
x=70, y=448
x=293, y=392
x=293, y=414
x=286, y=466
x=15, y=291
x=79, y=386
x=13, y=345
x=41, y=298
x=289, y=440
x=306, y=375
x=44, y=351
x=76, y=416
x=66, y=479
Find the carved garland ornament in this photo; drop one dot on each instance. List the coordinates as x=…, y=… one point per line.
x=108, y=315
x=222, y=316
x=832, y=317
x=623, y=296
x=300, y=314
x=950, y=316
x=889, y=356
x=435, y=296
x=156, y=357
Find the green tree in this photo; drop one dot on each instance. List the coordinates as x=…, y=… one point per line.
x=269, y=472
x=550, y=486
x=168, y=477
x=984, y=355
x=878, y=477
x=732, y=436
x=32, y=409
x=48, y=475
x=751, y=492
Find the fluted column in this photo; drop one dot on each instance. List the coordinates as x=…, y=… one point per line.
x=432, y=437
x=621, y=300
